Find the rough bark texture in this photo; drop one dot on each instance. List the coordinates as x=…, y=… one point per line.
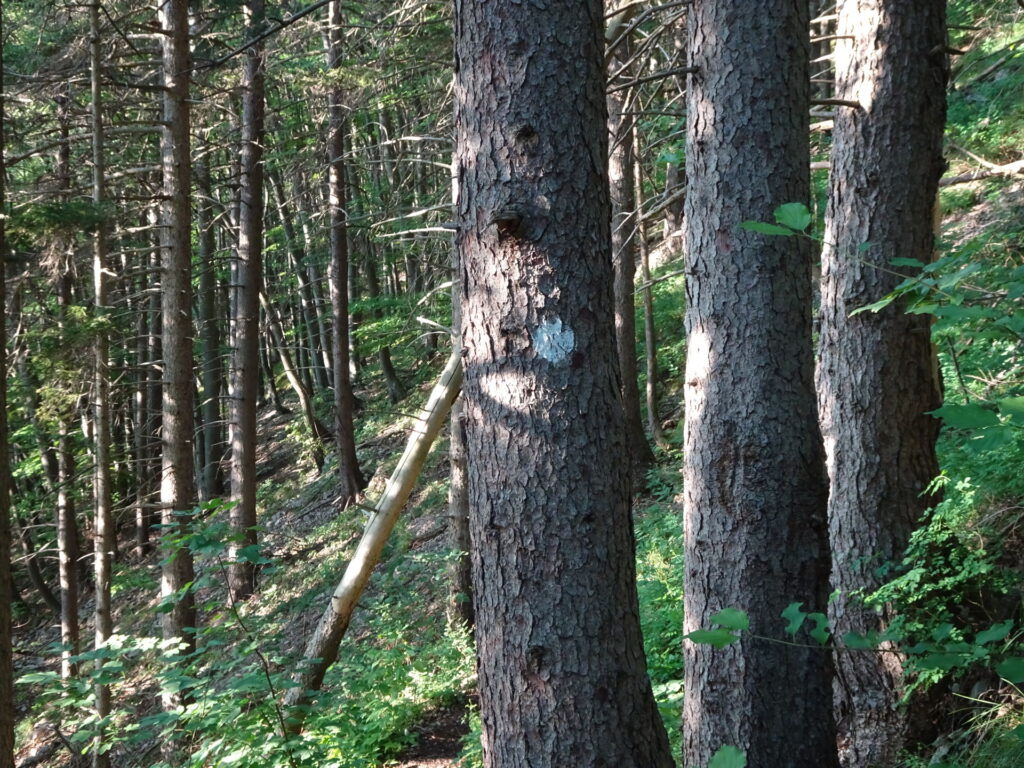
x=350, y=477
x=460, y=577
x=177, y=488
x=560, y=658
x=755, y=484
x=877, y=373
x=244, y=376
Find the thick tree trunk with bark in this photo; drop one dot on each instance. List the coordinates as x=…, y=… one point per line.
x=244, y=376
x=178, y=488
x=560, y=657
x=877, y=374
x=754, y=475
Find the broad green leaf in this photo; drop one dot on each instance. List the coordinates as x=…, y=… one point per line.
x=905, y=261
x=731, y=618
x=994, y=633
x=765, y=229
x=969, y=416
x=1018, y=731
x=1012, y=407
x=994, y=438
x=1011, y=670
x=943, y=661
x=728, y=757
x=249, y=554
x=821, y=631
x=857, y=642
x=37, y=677
x=793, y=215
x=718, y=638
x=794, y=616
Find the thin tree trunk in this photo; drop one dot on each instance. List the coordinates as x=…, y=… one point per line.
x=317, y=431
x=35, y=574
x=562, y=675
x=67, y=528
x=623, y=199
x=650, y=332
x=212, y=484
x=103, y=525
x=178, y=489
x=6, y=586
x=245, y=319
x=308, y=302
x=322, y=647
x=755, y=489
x=350, y=477
x=877, y=374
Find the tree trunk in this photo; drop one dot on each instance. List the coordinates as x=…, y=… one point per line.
x=212, y=478
x=561, y=665
x=6, y=586
x=650, y=332
x=103, y=525
x=460, y=577
x=178, y=489
x=244, y=379
x=877, y=373
x=322, y=646
x=308, y=305
x=350, y=477
x=623, y=198
x=317, y=431
x=754, y=475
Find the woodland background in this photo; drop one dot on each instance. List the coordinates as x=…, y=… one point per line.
x=320, y=202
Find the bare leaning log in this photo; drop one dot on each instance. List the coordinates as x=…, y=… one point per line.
x=322, y=648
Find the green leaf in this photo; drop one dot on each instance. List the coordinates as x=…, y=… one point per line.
x=1011, y=670
x=969, y=416
x=905, y=261
x=857, y=642
x=793, y=215
x=794, y=616
x=249, y=554
x=37, y=677
x=1012, y=407
x=765, y=228
x=821, y=631
x=731, y=618
x=877, y=306
x=728, y=757
x=994, y=633
x=719, y=638
x=1018, y=732
x=943, y=661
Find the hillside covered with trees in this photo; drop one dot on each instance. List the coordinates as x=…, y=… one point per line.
x=504, y=384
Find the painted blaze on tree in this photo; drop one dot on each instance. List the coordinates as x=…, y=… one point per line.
x=562, y=673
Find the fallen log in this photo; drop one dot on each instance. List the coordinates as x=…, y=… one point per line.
x=322, y=647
